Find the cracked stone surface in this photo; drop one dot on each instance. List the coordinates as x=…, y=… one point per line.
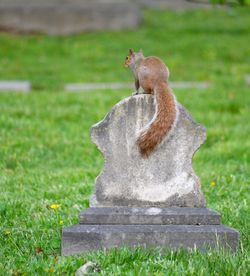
x=164, y=179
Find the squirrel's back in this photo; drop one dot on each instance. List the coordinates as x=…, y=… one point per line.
x=150, y=72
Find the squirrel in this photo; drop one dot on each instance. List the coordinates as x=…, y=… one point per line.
x=152, y=75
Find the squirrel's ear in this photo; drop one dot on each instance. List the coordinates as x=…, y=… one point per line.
x=140, y=51
x=131, y=51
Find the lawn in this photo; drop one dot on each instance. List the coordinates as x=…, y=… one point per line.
x=47, y=159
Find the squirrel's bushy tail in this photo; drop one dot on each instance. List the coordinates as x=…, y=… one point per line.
x=162, y=122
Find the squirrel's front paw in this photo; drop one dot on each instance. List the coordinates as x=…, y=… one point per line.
x=135, y=93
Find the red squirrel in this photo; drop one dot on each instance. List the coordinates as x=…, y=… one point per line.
x=152, y=75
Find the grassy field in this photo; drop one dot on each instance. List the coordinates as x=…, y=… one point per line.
x=48, y=163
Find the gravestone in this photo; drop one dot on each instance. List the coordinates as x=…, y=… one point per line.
x=15, y=85
x=63, y=17
x=178, y=5
x=129, y=85
x=153, y=202
x=165, y=179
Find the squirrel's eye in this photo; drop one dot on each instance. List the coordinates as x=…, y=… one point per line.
x=126, y=58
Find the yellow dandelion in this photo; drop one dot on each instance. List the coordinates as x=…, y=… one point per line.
x=61, y=222
x=55, y=206
x=213, y=183
x=7, y=232
x=51, y=270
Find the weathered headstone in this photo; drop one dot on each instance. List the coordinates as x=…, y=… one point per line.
x=165, y=179
x=155, y=201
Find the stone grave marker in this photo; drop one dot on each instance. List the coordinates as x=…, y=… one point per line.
x=63, y=17
x=128, y=85
x=153, y=202
x=15, y=85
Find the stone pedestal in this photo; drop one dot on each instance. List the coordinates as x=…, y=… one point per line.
x=153, y=202
x=105, y=228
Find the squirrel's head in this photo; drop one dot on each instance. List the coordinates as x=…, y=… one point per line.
x=132, y=58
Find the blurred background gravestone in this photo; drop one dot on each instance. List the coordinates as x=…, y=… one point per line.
x=67, y=16
x=175, y=4
x=62, y=17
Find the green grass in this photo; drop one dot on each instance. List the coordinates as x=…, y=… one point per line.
x=46, y=156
